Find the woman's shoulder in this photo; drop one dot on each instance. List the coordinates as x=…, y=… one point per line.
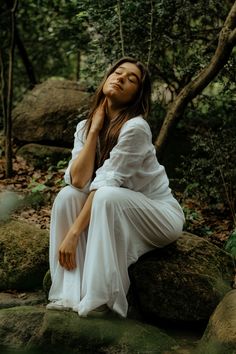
x=81, y=124
x=80, y=129
x=137, y=123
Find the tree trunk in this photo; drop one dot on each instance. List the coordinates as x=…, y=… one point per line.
x=26, y=61
x=3, y=92
x=78, y=65
x=23, y=53
x=226, y=42
x=8, y=143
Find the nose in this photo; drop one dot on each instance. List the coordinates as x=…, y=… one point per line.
x=120, y=78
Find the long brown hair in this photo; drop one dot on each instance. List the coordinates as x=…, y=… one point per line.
x=139, y=106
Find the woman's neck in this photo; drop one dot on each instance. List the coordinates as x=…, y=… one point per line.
x=112, y=110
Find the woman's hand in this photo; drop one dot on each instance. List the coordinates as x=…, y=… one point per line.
x=67, y=250
x=98, y=117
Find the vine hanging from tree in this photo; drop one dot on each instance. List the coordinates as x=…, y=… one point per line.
x=150, y=34
x=121, y=28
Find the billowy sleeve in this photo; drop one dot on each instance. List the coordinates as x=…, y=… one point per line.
x=79, y=140
x=126, y=158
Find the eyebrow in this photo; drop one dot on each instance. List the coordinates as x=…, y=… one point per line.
x=131, y=72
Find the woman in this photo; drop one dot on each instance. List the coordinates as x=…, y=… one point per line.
x=117, y=205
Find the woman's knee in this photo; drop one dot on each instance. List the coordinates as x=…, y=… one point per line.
x=108, y=195
x=69, y=196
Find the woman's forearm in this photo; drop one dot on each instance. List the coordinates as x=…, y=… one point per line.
x=82, y=221
x=83, y=166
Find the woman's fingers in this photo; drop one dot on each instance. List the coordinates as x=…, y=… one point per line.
x=99, y=116
x=67, y=251
x=67, y=260
x=104, y=104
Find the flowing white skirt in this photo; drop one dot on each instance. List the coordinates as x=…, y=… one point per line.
x=124, y=225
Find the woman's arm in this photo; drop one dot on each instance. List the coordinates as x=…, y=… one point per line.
x=82, y=167
x=68, y=247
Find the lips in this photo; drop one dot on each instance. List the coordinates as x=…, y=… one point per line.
x=115, y=84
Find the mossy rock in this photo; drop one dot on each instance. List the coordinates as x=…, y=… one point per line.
x=44, y=156
x=23, y=255
x=184, y=281
x=65, y=332
x=220, y=334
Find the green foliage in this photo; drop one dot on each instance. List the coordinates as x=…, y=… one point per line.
x=230, y=245
x=210, y=172
x=209, y=169
x=38, y=188
x=194, y=222
x=179, y=35
x=53, y=35
x=35, y=199
x=68, y=38
x=62, y=164
x=79, y=39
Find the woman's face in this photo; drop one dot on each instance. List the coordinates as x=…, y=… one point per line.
x=122, y=85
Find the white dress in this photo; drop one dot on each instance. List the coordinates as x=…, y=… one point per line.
x=133, y=212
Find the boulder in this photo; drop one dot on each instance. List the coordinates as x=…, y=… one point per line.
x=220, y=334
x=50, y=112
x=43, y=156
x=184, y=281
x=23, y=255
x=65, y=332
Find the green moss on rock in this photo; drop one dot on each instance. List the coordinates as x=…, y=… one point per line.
x=66, y=332
x=23, y=255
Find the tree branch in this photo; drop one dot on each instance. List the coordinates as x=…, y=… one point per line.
x=191, y=90
x=232, y=37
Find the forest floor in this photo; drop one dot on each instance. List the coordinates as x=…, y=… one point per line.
x=37, y=189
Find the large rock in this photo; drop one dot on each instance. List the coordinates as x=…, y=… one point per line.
x=49, y=113
x=43, y=156
x=220, y=334
x=65, y=332
x=182, y=282
x=23, y=255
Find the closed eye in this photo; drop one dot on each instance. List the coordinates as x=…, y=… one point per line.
x=131, y=80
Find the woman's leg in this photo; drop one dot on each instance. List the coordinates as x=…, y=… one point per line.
x=66, y=285
x=123, y=226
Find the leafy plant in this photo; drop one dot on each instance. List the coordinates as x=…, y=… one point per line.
x=40, y=187
x=209, y=171
x=194, y=222
x=230, y=245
